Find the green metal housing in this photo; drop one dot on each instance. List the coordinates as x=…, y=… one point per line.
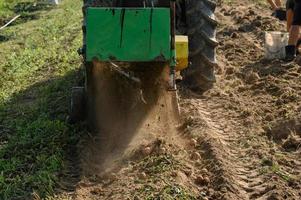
x=128, y=34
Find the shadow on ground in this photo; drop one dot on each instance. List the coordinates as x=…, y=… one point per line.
x=3, y=38
x=37, y=147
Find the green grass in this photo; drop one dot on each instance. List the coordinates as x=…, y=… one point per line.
x=7, y=7
x=158, y=164
x=4, y=8
x=157, y=168
x=271, y=168
x=38, y=66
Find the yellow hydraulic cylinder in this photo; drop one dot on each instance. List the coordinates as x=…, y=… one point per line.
x=181, y=52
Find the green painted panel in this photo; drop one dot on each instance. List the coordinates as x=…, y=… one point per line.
x=130, y=34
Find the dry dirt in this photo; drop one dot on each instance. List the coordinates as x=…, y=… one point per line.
x=241, y=140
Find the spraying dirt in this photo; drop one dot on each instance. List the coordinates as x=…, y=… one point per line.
x=128, y=114
x=241, y=140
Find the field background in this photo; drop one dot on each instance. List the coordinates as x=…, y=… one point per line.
x=240, y=140
x=38, y=66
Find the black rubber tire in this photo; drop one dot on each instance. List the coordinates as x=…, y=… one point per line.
x=201, y=30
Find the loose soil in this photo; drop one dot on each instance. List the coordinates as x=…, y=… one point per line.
x=240, y=140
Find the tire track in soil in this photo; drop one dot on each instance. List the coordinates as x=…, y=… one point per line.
x=219, y=150
x=235, y=147
x=236, y=160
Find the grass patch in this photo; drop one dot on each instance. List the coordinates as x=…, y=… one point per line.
x=38, y=66
x=7, y=7
x=158, y=164
x=27, y=9
x=274, y=169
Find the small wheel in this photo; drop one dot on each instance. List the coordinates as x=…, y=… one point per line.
x=77, y=108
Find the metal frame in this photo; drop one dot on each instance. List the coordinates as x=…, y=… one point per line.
x=171, y=58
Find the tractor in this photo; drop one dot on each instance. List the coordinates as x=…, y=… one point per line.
x=135, y=49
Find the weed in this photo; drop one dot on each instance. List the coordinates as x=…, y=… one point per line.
x=158, y=164
x=274, y=169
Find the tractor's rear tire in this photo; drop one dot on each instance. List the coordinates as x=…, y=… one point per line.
x=201, y=30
